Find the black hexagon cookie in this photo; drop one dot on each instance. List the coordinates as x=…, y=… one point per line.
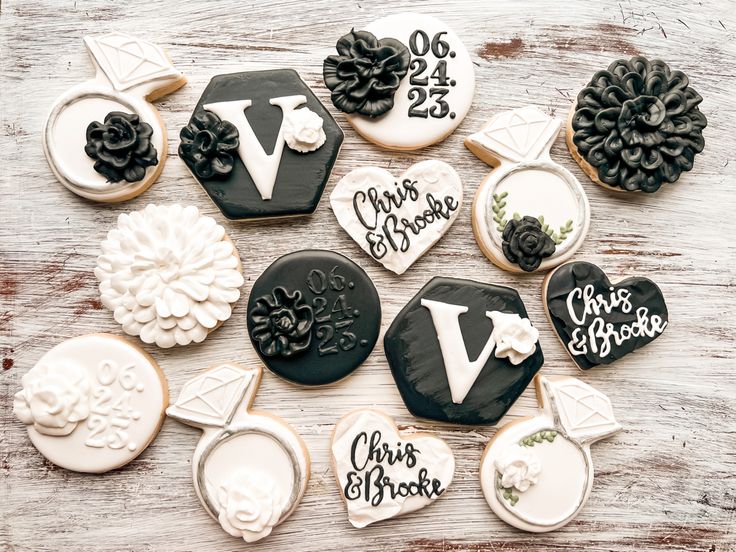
x=261, y=144
x=462, y=351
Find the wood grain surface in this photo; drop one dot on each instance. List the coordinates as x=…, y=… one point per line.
x=667, y=482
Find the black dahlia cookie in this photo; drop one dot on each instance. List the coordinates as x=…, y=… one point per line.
x=313, y=317
x=261, y=144
x=636, y=126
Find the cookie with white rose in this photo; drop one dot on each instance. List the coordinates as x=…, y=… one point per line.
x=537, y=473
x=250, y=468
x=92, y=403
x=169, y=274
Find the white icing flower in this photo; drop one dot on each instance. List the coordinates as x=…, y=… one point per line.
x=250, y=505
x=303, y=130
x=519, y=467
x=54, y=398
x=168, y=275
x=515, y=337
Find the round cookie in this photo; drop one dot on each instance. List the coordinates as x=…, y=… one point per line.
x=93, y=403
x=250, y=468
x=313, y=317
x=103, y=139
x=636, y=126
x=419, y=86
x=169, y=274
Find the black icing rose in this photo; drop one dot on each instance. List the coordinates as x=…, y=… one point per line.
x=282, y=323
x=638, y=123
x=526, y=244
x=365, y=75
x=207, y=144
x=121, y=147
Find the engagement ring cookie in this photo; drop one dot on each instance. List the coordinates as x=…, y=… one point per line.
x=599, y=322
x=397, y=220
x=529, y=213
x=103, y=139
x=313, y=317
x=93, y=403
x=462, y=351
x=169, y=274
x=250, y=468
x=383, y=473
x=537, y=473
x=261, y=144
x=636, y=126
x=404, y=82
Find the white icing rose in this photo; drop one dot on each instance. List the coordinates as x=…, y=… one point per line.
x=168, y=275
x=250, y=505
x=515, y=337
x=54, y=398
x=303, y=130
x=519, y=467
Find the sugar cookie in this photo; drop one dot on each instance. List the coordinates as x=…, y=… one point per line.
x=250, y=468
x=93, y=403
x=383, y=473
x=169, y=274
x=103, y=139
x=537, y=473
x=636, y=125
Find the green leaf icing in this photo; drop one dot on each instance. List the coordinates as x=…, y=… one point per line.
x=538, y=437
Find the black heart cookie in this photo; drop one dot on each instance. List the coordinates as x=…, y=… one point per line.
x=599, y=322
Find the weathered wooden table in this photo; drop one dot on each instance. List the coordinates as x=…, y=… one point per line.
x=667, y=482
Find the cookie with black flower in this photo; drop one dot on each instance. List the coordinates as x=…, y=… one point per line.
x=404, y=82
x=636, y=126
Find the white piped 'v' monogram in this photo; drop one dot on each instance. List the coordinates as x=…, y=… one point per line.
x=461, y=372
x=262, y=167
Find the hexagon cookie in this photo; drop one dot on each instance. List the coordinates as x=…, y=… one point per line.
x=261, y=144
x=462, y=351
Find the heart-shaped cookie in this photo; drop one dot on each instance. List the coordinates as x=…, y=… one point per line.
x=599, y=322
x=395, y=220
x=382, y=474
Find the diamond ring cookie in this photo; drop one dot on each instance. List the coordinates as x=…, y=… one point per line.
x=636, y=126
x=537, y=473
x=250, y=468
x=261, y=144
x=103, y=139
x=313, y=317
x=405, y=81
x=92, y=403
x=599, y=322
x=383, y=473
x=397, y=220
x=462, y=351
x=529, y=213
x=169, y=274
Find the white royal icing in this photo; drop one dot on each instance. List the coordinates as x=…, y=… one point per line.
x=513, y=339
x=526, y=182
x=397, y=220
x=537, y=473
x=169, y=274
x=303, y=130
x=396, y=129
x=382, y=474
x=92, y=403
x=250, y=505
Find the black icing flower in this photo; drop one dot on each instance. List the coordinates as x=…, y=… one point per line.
x=207, y=144
x=526, y=244
x=365, y=75
x=638, y=123
x=121, y=147
x=282, y=323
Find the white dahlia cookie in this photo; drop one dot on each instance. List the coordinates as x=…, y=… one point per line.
x=169, y=274
x=303, y=130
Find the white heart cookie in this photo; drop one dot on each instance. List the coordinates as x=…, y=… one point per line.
x=382, y=474
x=394, y=220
